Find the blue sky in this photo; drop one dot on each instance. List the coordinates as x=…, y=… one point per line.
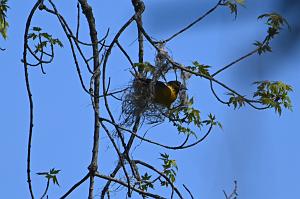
x=259, y=149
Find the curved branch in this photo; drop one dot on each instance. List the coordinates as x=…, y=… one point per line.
x=191, y=195
x=127, y=56
x=181, y=146
x=215, y=94
x=30, y=132
x=46, y=189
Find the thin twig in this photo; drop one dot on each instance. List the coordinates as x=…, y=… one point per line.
x=181, y=146
x=233, y=194
x=127, y=56
x=241, y=58
x=60, y=19
x=75, y=186
x=193, y=23
x=187, y=189
x=78, y=21
x=235, y=61
x=46, y=189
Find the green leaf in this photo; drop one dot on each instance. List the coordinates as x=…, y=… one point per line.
x=37, y=29
x=233, y=5
x=3, y=22
x=200, y=68
x=241, y=2
x=236, y=100
x=51, y=175
x=169, y=169
x=3, y=29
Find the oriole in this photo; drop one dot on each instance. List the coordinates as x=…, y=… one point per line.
x=164, y=94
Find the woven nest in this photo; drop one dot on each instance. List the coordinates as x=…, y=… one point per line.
x=137, y=101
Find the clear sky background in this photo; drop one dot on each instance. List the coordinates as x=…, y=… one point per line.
x=259, y=149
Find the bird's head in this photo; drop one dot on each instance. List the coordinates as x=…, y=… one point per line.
x=176, y=85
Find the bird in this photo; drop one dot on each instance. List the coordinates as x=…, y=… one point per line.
x=164, y=93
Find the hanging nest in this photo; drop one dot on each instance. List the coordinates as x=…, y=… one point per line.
x=145, y=97
x=138, y=101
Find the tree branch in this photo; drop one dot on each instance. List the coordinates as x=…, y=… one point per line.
x=193, y=23
x=30, y=132
x=88, y=12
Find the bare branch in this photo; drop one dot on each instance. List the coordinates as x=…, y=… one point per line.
x=75, y=186
x=88, y=12
x=233, y=194
x=30, y=132
x=191, y=195
x=193, y=23
x=46, y=189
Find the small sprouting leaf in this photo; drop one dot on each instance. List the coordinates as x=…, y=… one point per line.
x=263, y=47
x=233, y=5
x=274, y=20
x=37, y=29
x=212, y=121
x=58, y=42
x=54, y=171
x=51, y=175
x=200, y=68
x=32, y=36
x=275, y=23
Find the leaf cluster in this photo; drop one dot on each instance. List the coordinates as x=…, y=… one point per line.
x=233, y=5
x=200, y=68
x=212, y=121
x=170, y=169
x=51, y=175
x=236, y=100
x=186, y=115
x=146, y=183
x=44, y=39
x=275, y=23
x=274, y=94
